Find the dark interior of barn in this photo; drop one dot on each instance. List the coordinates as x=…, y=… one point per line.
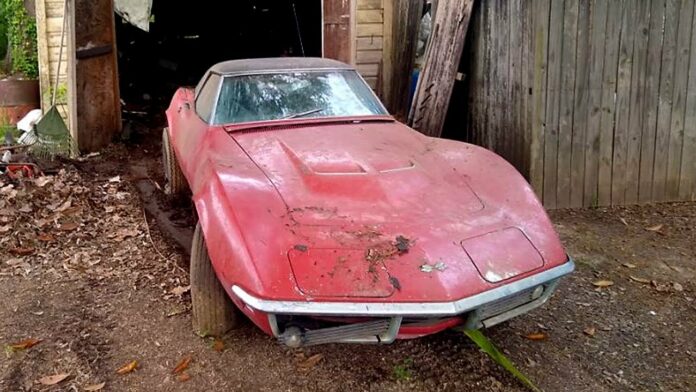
x=185, y=40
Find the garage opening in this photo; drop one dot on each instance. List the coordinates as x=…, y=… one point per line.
x=186, y=38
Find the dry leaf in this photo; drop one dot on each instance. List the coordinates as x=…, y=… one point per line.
x=654, y=228
x=128, y=368
x=219, y=345
x=629, y=265
x=5, y=229
x=25, y=344
x=70, y=226
x=21, y=251
x=639, y=280
x=311, y=361
x=180, y=290
x=589, y=331
x=623, y=221
x=183, y=377
x=661, y=287
x=95, y=387
x=54, y=379
x=677, y=287
x=603, y=283
x=536, y=336
x=182, y=365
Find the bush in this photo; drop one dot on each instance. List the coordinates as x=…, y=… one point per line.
x=20, y=38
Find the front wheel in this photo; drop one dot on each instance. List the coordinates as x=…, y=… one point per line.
x=175, y=181
x=213, y=312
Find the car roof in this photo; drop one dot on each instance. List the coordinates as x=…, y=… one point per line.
x=276, y=64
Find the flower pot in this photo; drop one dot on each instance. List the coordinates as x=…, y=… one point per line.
x=17, y=98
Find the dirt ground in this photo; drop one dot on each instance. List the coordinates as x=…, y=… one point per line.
x=101, y=282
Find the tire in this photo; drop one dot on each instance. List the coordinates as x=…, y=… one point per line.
x=213, y=312
x=175, y=182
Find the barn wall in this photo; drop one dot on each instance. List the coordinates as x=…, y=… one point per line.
x=370, y=40
x=595, y=101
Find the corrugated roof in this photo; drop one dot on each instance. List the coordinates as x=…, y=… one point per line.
x=276, y=64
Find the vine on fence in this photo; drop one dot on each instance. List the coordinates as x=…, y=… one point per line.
x=21, y=37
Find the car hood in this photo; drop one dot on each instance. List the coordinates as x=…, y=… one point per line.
x=357, y=193
x=367, y=173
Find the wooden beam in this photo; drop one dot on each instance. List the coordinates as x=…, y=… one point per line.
x=436, y=82
x=401, y=53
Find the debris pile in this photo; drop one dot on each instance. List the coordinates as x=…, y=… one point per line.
x=68, y=224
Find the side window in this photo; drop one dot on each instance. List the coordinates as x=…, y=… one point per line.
x=206, y=97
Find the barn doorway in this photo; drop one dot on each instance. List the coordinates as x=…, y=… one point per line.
x=186, y=38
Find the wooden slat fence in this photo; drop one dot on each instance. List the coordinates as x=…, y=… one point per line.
x=593, y=100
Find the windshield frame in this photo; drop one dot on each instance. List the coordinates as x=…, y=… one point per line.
x=224, y=76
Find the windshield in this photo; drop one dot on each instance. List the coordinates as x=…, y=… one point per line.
x=295, y=94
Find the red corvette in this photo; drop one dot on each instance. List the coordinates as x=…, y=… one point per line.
x=325, y=220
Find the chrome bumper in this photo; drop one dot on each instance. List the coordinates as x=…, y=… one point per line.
x=480, y=311
x=417, y=309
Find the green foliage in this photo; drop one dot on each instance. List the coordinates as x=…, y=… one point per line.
x=21, y=38
x=402, y=371
x=484, y=344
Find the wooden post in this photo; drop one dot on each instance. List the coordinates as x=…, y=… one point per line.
x=97, y=98
x=436, y=81
x=338, y=29
x=400, y=44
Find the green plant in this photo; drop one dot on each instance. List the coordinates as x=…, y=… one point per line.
x=402, y=371
x=21, y=38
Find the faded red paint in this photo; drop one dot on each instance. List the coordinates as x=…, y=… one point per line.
x=307, y=209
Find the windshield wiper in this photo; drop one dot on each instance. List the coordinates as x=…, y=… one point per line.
x=302, y=114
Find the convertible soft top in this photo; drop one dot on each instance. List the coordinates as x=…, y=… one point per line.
x=276, y=64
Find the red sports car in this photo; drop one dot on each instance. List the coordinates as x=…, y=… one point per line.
x=325, y=220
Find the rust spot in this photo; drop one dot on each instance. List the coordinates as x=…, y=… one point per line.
x=301, y=247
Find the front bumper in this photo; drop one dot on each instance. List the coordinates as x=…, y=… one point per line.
x=481, y=310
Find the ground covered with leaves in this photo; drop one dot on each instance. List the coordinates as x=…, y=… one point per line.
x=95, y=297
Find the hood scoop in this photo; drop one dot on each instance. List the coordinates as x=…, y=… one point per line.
x=337, y=163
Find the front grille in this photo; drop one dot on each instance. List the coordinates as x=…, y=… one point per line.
x=507, y=303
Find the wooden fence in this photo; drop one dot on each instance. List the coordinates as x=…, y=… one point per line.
x=595, y=101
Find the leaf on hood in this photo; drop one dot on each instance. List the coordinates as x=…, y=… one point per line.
x=25, y=344
x=128, y=367
x=95, y=387
x=603, y=283
x=54, y=379
x=536, y=336
x=182, y=365
x=655, y=228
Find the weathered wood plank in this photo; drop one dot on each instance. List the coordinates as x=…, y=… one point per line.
x=431, y=100
x=581, y=98
x=567, y=108
x=681, y=73
x=553, y=103
x=370, y=43
x=592, y=139
x=515, y=18
x=611, y=60
x=370, y=4
x=623, y=101
x=370, y=30
x=652, y=84
x=540, y=18
x=370, y=16
x=664, y=112
x=368, y=56
x=367, y=70
x=637, y=116
x=687, y=173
